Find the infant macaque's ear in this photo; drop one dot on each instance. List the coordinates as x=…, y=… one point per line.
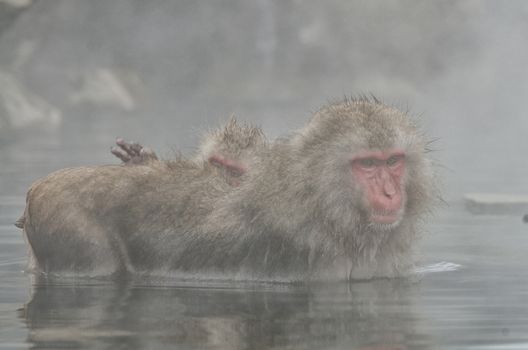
x=231, y=167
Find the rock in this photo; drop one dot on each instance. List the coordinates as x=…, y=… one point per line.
x=103, y=87
x=499, y=204
x=20, y=108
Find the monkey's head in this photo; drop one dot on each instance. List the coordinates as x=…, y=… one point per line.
x=232, y=149
x=365, y=160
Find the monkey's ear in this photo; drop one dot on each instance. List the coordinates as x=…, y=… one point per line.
x=232, y=167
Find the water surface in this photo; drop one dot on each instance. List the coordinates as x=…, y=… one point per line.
x=470, y=292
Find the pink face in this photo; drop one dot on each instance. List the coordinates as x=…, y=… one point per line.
x=232, y=169
x=380, y=176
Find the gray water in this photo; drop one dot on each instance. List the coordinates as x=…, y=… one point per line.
x=75, y=74
x=471, y=291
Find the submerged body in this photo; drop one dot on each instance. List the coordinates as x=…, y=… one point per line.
x=339, y=199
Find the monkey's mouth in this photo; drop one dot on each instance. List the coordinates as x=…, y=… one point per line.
x=385, y=217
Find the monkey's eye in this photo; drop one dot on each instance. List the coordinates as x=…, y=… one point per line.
x=235, y=172
x=367, y=162
x=394, y=160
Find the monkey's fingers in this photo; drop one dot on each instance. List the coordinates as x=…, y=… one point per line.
x=132, y=148
x=120, y=154
x=136, y=147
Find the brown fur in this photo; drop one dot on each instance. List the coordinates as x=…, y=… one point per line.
x=239, y=142
x=236, y=140
x=296, y=216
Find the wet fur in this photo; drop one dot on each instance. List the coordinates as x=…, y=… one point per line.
x=297, y=215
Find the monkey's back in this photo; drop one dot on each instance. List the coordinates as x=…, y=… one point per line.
x=106, y=219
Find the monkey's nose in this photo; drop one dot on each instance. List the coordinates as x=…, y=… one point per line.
x=389, y=189
x=387, y=184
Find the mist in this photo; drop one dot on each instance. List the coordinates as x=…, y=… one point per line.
x=75, y=74
x=162, y=72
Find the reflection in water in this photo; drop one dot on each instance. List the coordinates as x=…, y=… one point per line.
x=375, y=315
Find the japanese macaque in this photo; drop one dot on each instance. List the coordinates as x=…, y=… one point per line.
x=231, y=149
x=342, y=198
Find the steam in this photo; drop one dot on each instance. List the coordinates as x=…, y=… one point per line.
x=168, y=68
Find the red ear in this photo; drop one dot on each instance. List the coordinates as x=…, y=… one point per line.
x=235, y=168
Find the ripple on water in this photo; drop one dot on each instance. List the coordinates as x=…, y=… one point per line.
x=443, y=266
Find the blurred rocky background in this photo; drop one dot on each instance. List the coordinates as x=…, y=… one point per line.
x=79, y=73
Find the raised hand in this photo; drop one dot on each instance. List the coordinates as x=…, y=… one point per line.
x=132, y=153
